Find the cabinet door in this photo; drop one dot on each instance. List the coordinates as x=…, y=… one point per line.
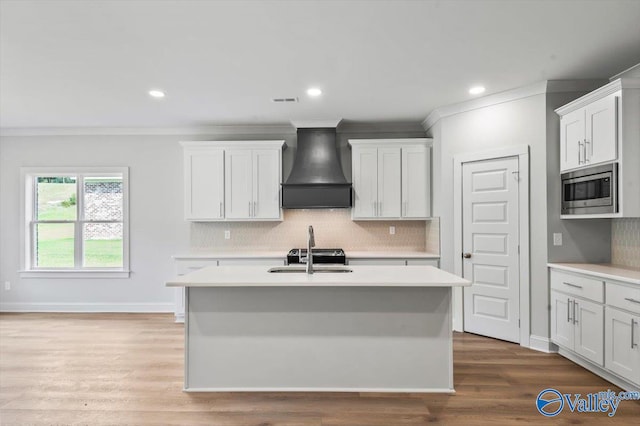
x=238, y=184
x=622, y=351
x=572, y=136
x=389, y=182
x=589, y=330
x=416, y=186
x=365, y=182
x=204, y=184
x=561, y=320
x=266, y=184
x=601, y=130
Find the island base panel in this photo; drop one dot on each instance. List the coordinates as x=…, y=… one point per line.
x=322, y=339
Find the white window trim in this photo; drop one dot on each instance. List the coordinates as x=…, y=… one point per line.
x=26, y=176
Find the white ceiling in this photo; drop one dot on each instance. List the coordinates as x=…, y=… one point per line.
x=91, y=63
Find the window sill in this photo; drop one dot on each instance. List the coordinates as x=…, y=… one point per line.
x=52, y=273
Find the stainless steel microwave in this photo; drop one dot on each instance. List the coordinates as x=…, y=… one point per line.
x=590, y=191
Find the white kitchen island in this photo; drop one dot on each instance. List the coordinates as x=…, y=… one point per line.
x=378, y=329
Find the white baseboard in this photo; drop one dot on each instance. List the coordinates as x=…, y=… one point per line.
x=542, y=344
x=87, y=307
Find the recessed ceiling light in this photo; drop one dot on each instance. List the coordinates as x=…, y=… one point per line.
x=156, y=93
x=477, y=90
x=314, y=91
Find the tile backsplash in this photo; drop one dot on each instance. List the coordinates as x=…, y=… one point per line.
x=625, y=242
x=333, y=228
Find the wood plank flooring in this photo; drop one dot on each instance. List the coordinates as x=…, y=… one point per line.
x=127, y=369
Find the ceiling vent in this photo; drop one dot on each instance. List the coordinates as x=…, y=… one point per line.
x=284, y=100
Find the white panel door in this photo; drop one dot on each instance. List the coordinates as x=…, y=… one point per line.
x=490, y=217
x=622, y=344
x=561, y=320
x=589, y=329
x=238, y=184
x=389, y=182
x=571, y=139
x=365, y=182
x=266, y=184
x=204, y=184
x=601, y=130
x=416, y=186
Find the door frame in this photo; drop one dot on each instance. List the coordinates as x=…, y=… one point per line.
x=522, y=152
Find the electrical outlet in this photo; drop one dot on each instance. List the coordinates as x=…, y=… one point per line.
x=7, y=285
x=557, y=239
x=392, y=230
x=227, y=235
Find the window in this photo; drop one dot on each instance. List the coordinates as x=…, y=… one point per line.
x=76, y=221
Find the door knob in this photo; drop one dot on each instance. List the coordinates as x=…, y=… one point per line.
x=466, y=255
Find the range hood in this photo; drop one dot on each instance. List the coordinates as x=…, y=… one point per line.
x=316, y=180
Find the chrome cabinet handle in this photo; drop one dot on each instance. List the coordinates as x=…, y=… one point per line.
x=575, y=317
x=585, y=151
x=579, y=149
x=633, y=344
x=628, y=299
x=568, y=310
x=572, y=285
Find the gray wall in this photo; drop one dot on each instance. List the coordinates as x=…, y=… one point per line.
x=157, y=227
x=525, y=121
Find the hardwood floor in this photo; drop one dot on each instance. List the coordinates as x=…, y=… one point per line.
x=127, y=369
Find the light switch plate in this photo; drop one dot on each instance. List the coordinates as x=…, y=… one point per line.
x=227, y=235
x=557, y=239
x=392, y=230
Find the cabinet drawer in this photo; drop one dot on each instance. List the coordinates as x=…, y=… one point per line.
x=185, y=266
x=377, y=262
x=623, y=297
x=578, y=285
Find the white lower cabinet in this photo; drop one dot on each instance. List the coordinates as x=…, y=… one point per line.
x=397, y=262
x=603, y=330
x=622, y=334
x=621, y=341
x=577, y=324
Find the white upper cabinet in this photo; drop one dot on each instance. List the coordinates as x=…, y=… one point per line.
x=389, y=181
x=416, y=181
x=203, y=183
x=572, y=130
x=391, y=178
x=601, y=138
x=603, y=127
x=232, y=180
x=267, y=174
x=589, y=135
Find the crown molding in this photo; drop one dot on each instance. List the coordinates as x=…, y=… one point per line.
x=539, y=88
x=601, y=92
x=151, y=131
x=633, y=72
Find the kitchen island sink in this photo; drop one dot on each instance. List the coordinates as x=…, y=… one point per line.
x=374, y=329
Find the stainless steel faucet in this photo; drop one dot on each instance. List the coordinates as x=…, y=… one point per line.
x=311, y=242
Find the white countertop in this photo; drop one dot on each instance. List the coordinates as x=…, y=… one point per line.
x=282, y=254
x=232, y=255
x=390, y=255
x=602, y=270
x=362, y=276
